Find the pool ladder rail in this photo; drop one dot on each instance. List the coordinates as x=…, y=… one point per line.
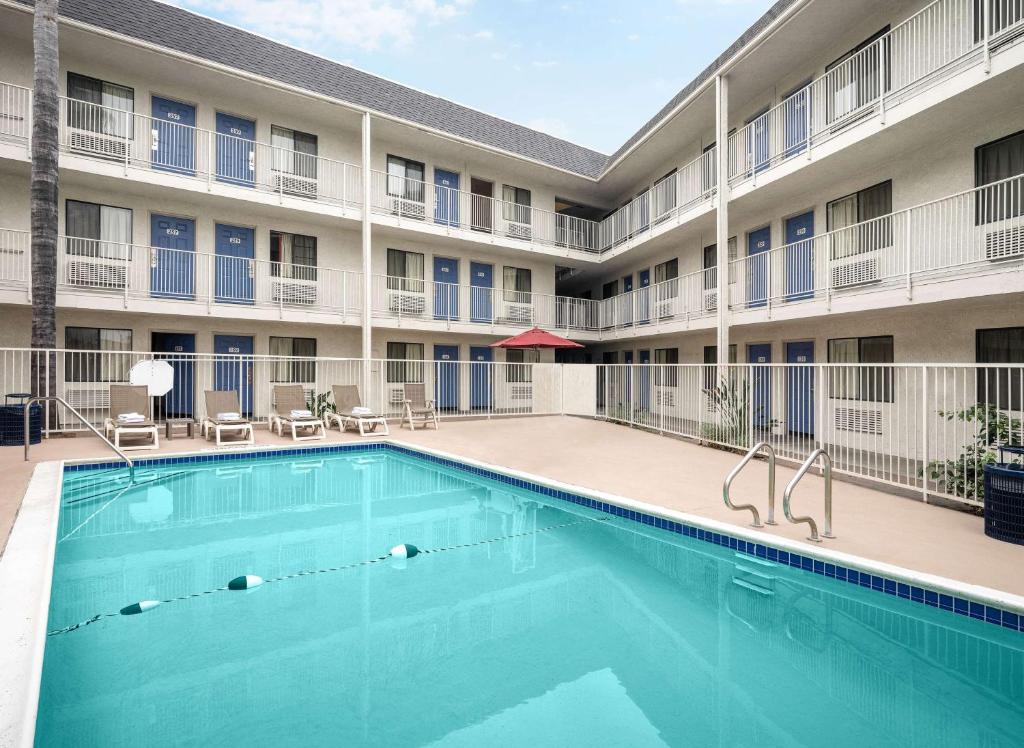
x=788, y=493
x=93, y=429
x=727, y=485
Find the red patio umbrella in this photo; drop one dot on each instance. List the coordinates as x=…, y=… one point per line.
x=536, y=339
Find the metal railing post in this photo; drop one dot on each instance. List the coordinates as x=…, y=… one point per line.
x=727, y=484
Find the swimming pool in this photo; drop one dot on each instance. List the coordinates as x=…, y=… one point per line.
x=525, y=619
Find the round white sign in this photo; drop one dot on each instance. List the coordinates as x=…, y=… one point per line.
x=158, y=376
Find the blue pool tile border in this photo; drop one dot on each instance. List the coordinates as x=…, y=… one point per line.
x=897, y=588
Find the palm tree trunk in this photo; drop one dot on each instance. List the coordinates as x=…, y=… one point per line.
x=45, y=121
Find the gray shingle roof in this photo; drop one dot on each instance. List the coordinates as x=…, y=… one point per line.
x=182, y=31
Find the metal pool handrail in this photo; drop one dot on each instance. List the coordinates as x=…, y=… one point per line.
x=771, y=484
x=62, y=401
x=827, y=475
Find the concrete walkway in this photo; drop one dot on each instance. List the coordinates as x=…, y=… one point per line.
x=664, y=471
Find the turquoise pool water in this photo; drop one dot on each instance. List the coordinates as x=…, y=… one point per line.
x=567, y=628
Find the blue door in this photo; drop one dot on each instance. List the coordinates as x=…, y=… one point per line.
x=480, y=373
x=232, y=369
x=174, y=136
x=172, y=265
x=236, y=150
x=446, y=377
x=795, y=119
x=758, y=244
x=446, y=289
x=800, y=387
x=644, y=385
x=800, y=257
x=235, y=268
x=446, y=197
x=481, y=284
x=758, y=142
x=628, y=302
x=176, y=348
x=760, y=355
x=643, y=297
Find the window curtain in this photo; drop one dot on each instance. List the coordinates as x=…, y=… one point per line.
x=304, y=371
x=842, y=214
x=405, y=363
x=303, y=257
x=842, y=381
x=281, y=347
x=517, y=283
x=115, y=232
x=876, y=381
x=102, y=362
x=119, y=102
x=82, y=227
x=1001, y=387
x=995, y=162
x=283, y=147
x=305, y=146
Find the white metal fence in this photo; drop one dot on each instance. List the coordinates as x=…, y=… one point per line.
x=460, y=388
x=885, y=71
x=136, y=140
x=924, y=427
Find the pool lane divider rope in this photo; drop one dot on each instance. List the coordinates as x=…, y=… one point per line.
x=400, y=552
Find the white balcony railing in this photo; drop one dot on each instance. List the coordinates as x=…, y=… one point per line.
x=690, y=296
x=887, y=70
x=953, y=236
x=15, y=113
x=692, y=185
x=136, y=140
x=410, y=299
x=455, y=209
x=15, y=258
x=143, y=272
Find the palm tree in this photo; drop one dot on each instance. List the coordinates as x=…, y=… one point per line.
x=45, y=120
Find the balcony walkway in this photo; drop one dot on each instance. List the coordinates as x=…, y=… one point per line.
x=669, y=472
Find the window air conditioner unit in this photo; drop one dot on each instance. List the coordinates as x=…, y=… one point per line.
x=289, y=291
x=856, y=270
x=406, y=303
x=518, y=230
x=95, y=272
x=859, y=420
x=517, y=313
x=293, y=184
x=97, y=144
x=664, y=307
x=711, y=300
x=406, y=208
x=520, y=392
x=1004, y=242
x=396, y=397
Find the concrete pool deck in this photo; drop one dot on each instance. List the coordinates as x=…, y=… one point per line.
x=646, y=467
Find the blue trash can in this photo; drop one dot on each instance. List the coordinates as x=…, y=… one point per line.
x=12, y=420
x=1004, y=498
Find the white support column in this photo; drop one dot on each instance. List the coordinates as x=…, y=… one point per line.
x=722, y=216
x=367, y=318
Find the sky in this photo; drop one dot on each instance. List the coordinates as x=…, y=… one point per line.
x=589, y=71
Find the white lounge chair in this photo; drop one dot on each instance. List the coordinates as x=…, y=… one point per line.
x=130, y=416
x=292, y=412
x=347, y=404
x=223, y=415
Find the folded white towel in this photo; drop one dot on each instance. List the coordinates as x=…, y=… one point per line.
x=229, y=416
x=131, y=417
x=359, y=410
x=302, y=414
